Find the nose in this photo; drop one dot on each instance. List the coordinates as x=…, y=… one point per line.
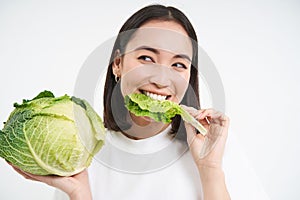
x=161, y=76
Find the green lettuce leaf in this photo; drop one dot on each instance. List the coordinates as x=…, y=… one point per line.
x=161, y=111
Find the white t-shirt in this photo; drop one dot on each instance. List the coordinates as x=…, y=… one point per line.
x=161, y=167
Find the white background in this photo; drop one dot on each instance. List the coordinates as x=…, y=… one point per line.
x=254, y=44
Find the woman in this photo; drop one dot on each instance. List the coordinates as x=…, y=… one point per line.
x=155, y=54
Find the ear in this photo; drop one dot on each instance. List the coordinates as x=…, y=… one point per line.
x=117, y=63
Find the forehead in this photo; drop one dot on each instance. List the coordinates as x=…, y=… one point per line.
x=165, y=35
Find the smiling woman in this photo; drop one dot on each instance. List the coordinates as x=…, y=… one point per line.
x=151, y=38
x=155, y=54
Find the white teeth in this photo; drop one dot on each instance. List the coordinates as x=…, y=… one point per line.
x=155, y=96
x=152, y=95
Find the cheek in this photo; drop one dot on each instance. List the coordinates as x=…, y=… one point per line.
x=181, y=84
x=128, y=72
x=128, y=63
x=133, y=79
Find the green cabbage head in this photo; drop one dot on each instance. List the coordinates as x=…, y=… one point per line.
x=52, y=136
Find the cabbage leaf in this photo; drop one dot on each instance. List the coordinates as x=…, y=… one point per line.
x=161, y=111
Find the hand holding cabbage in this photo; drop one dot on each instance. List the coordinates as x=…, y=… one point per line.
x=48, y=135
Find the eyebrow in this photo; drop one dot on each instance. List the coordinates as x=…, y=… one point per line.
x=183, y=56
x=147, y=48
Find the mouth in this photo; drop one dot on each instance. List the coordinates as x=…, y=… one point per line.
x=156, y=96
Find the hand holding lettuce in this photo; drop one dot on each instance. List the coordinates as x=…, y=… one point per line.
x=162, y=111
x=52, y=136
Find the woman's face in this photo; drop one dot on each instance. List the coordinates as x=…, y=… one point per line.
x=156, y=62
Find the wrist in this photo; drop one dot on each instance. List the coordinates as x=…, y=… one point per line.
x=213, y=184
x=211, y=173
x=81, y=194
x=209, y=166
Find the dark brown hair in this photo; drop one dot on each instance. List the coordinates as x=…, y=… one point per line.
x=112, y=88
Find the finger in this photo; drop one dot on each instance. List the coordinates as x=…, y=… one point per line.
x=190, y=132
x=205, y=113
x=65, y=184
x=26, y=175
x=192, y=135
x=214, y=116
x=192, y=111
x=220, y=118
x=225, y=120
x=195, y=113
x=23, y=173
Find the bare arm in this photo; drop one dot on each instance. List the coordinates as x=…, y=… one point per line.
x=208, y=151
x=213, y=184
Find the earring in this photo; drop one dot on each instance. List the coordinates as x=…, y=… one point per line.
x=117, y=79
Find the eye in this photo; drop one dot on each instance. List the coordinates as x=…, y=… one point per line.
x=146, y=58
x=179, y=65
